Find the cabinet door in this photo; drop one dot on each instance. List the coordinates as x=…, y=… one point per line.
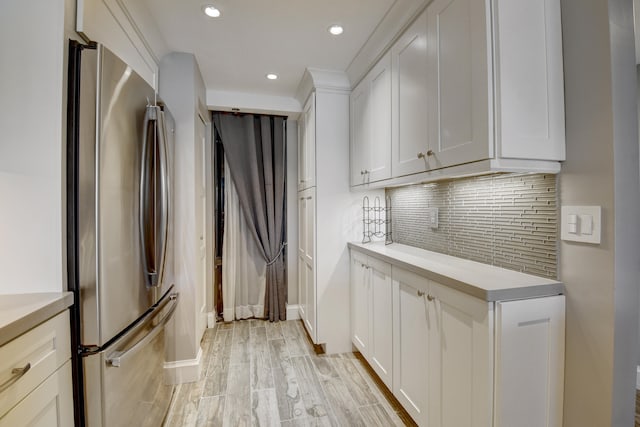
x=309, y=163
x=459, y=73
x=359, y=149
x=302, y=288
x=460, y=359
x=410, y=336
x=309, y=262
x=310, y=306
x=379, y=141
x=50, y=404
x=371, y=125
x=528, y=56
x=409, y=100
x=309, y=226
x=302, y=167
x=302, y=216
x=530, y=362
x=381, y=320
x=360, y=301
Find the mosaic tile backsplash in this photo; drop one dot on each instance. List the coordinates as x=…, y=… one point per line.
x=506, y=220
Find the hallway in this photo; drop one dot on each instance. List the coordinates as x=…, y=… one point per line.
x=267, y=374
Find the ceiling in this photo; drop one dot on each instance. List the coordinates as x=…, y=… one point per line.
x=255, y=37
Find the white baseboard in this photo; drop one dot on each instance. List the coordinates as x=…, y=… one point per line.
x=183, y=371
x=293, y=312
x=211, y=320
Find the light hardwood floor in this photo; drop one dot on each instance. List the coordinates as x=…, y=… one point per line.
x=267, y=374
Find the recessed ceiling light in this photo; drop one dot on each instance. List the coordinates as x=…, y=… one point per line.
x=336, y=30
x=211, y=11
x=272, y=76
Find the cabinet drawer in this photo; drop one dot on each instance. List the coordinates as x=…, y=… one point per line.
x=43, y=349
x=50, y=404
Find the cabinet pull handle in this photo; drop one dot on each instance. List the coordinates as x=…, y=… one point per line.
x=16, y=374
x=420, y=293
x=422, y=155
x=430, y=298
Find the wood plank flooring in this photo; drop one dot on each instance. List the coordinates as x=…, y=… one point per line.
x=259, y=373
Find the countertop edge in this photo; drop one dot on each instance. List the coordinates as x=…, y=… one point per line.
x=533, y=291
x=23, y=324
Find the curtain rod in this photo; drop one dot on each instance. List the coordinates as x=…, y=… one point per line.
x=239, y=113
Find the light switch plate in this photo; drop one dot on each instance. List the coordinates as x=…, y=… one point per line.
x=587, y=226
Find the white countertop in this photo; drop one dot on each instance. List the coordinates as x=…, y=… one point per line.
x=21, y=312
x=483, y=281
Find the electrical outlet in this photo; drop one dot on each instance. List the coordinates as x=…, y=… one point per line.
x=433, y=218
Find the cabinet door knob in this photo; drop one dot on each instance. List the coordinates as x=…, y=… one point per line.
x=430, y=298
x=361, y=172
x=420, y=293
x=422, y=155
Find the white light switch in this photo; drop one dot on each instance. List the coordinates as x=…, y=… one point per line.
x=586, y=227
x=580, y=224
x=572, y=223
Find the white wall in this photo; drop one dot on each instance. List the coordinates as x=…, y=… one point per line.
x=31, y=117
x=601, y=169
x=182, y=89
x=292, y=212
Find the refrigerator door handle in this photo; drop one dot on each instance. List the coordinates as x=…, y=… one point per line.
x=154, y=197
x=146, y=214
x=164, y=193
x=118, y=357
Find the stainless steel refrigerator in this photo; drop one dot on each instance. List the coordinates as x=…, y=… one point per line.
x=120, y=250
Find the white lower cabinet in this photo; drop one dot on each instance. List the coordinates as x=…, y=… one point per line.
x=411, y=343
x=306, y=260
x=448, y=369
x=35, y=377
x=460, y=358
x=371, y=313
x=49, y=405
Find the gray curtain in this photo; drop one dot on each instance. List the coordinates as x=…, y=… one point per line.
x=254, y=146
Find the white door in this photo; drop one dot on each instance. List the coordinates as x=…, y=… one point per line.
x=410, y=335
x=381, y=320
x=460, y=359
x=459, y=74
x=378, y=144
x=360, y=296
x=410, y=100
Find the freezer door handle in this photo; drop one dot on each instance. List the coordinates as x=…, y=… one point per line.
x=118, y=357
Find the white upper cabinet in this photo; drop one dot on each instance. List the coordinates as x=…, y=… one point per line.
x=459, y=84
x=371, y=125
x=529, y=84
x=476, y=87
x=307, y=145
x=409, y=143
